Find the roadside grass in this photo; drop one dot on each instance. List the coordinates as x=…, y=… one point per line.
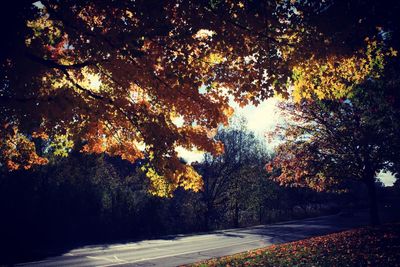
x=367, y=246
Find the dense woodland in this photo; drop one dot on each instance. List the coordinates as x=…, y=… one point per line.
x=91, y=92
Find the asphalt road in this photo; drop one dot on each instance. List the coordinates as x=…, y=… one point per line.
x=184, y=249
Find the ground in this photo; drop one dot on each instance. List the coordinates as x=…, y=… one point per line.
x=367, y=246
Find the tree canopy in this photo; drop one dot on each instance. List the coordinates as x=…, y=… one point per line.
x=113, y=77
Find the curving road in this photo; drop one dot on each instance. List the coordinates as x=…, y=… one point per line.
x=184, y=249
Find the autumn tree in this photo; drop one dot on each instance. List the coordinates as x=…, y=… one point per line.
x=114, y=76
x=329, y=142
x=345, y=99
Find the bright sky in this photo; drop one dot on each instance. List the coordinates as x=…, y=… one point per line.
x=387, y=178
x=260, y=119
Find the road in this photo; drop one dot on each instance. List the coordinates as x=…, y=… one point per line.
x=184, y=249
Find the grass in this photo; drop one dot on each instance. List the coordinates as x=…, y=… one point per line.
x=368, y=246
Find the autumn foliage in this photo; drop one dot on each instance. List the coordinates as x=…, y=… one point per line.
x=115, y=77
x=359, y=247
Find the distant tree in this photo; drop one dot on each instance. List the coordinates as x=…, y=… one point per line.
x=231, y=178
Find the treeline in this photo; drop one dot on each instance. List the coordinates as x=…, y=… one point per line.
x=83, y=199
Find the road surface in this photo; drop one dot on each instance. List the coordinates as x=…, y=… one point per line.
x=184, y=249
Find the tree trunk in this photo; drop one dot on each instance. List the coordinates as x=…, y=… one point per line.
x=207, y=216
x=236, y=215
x=373, y=202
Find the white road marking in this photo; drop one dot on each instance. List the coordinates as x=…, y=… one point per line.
x=101, y=258
x=118, y=259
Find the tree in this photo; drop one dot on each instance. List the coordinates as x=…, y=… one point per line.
x=344, y=107
x=231, y=180
x=330, y=142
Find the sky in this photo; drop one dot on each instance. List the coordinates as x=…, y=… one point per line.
x=387, y=178
x=260, y=119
